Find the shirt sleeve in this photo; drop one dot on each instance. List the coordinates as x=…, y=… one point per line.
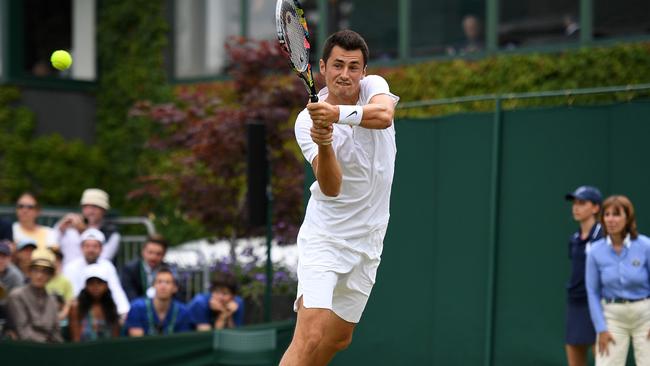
x=136, y=316
x=303, y=136
x=121, y=301
x=18, y=314
x=238, y=316
x=111, y=246
x=199, y=311
x=592, y=280
x=375, y=85
x=184, y=321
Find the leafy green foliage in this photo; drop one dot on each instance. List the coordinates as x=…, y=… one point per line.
x=132, y=36
x=583, y=68
x=54, y=169
x=202, y=139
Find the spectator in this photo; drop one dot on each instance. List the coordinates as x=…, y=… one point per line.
x=61, y=287
x=618, y=286
x=94, y=204
x=10, y=278
x=138, y=275
x=23, y=255
x=571, y=26
x=580, y=333
x=94, y=314
x=6, y=230
x=474, y=41
x=220, y=308
x=162, y=314
x=27, y=211
x=32, y=310
x=91, y=248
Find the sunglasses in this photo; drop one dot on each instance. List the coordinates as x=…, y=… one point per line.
x=29, y=207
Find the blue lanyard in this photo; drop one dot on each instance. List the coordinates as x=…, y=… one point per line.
x=153, y=329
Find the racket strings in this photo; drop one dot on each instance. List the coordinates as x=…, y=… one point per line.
x=295, y=37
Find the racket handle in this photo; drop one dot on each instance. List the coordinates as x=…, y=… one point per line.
x=313, y=98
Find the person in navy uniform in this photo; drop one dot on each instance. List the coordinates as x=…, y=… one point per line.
x=580, y=333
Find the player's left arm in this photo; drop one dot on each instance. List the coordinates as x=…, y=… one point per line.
x=377, y=114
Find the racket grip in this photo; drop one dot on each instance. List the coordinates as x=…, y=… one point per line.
x=313, y=98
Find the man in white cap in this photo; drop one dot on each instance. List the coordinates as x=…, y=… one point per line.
x=94, y=204
x=92, y=241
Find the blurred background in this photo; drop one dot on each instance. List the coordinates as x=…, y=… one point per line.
x=505, y=107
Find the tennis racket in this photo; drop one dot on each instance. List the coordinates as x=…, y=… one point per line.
x=293, y=35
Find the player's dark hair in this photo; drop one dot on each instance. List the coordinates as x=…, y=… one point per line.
x=348, y=40
x=221, y=280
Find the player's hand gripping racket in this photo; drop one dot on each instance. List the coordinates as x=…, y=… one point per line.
x=294, y=37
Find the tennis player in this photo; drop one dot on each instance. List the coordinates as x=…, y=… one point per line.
x=349, y=138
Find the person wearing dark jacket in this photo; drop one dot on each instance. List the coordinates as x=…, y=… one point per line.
x=138, y=275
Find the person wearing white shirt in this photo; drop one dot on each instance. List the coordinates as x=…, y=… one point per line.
x=91, y=248
x=94, y=204
x=349, y=138
x=26, y=228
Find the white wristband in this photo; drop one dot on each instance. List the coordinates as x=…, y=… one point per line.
x=350, y=114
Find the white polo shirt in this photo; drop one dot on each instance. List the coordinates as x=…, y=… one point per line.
x=367, y=159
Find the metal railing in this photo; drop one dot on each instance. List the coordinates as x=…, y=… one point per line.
x=192, y=280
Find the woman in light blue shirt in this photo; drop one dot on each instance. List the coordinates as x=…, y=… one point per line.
x=618, y=286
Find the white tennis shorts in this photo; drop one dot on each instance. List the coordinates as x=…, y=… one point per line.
x=337, y=274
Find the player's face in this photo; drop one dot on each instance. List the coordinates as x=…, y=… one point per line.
x=615, y=220
x=582, y=210
x=343, y=72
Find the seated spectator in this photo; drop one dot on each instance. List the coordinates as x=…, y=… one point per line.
x=34, y=312
x=94, y=314
x=474, y=39
x=6, y=230
x=94, y=204
x=162, y=314
x=10, y=278
x=91, y=248
x=61, y=287
x=23, y=255
x=137, y=275
x=220, y=308
x=27, y=211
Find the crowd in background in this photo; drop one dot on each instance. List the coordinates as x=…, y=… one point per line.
x=60, y=283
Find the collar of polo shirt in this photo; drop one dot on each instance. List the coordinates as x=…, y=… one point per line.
x=627, y=241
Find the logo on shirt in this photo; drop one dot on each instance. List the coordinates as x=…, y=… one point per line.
x=636, y=262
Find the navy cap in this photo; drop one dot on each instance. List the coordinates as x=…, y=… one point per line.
x=587, y=193
x=5, y=248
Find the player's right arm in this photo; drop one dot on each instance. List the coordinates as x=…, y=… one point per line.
x=326, y=168
x=317, y=145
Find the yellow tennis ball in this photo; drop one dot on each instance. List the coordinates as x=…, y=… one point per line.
x=61, y=60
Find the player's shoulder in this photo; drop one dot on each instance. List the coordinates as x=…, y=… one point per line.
x=374, y=80
x=303, y=119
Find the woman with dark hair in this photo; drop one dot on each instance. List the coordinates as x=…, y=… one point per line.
x=94, y=314
x=618, y=286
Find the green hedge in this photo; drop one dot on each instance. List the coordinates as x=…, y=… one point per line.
x=54, y=169
x=588, y=67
